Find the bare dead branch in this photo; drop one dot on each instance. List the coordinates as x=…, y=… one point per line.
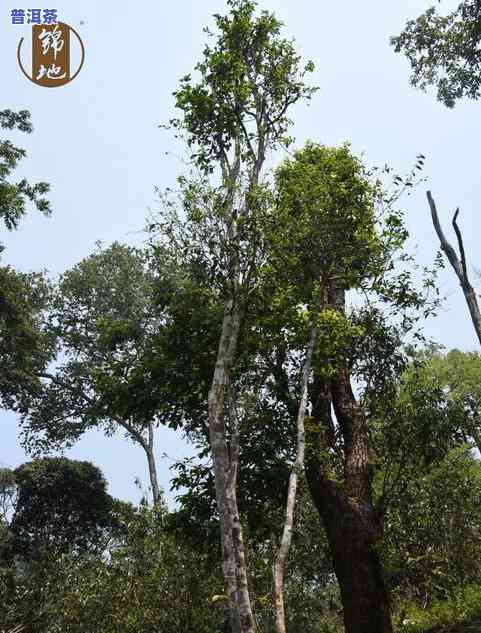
x=445, y=245
x=459, y=266
x=460, y=243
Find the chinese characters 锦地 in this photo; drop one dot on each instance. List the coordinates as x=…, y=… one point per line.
x=52, y=43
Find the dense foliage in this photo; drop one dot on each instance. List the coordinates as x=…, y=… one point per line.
x=275, y=319
x=443, y=51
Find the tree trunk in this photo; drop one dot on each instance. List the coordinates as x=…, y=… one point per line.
x=225, y=474
x=353, y=526
x=148, y=446
x=246, y=619
x=283, y=551
x=353, y=533
x=154, y=482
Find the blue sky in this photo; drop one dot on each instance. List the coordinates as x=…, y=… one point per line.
x=113, y=154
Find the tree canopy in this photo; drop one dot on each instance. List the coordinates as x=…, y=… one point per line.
x=274, y=317
x=443, y=51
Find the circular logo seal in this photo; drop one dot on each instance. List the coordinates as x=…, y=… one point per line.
x=57, y=53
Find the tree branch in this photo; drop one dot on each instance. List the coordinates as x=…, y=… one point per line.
x=459, y=266
x=136, y=435
x=460, y=244
x=445, y=245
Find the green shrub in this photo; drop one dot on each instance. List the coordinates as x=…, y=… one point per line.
x=463, y=607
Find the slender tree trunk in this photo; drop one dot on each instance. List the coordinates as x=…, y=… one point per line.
x=246, y=619
x=225, y=473
x=243, y=598
x=285, y=544
x=148, y=445
x=135, y=434
x=154, y=482
x=226, y=462
x=229, y=570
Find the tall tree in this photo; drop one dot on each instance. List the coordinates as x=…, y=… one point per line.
x=61, y=504
x=444, y=52
x=23, y=351
x=329, y=229
x=232, y=117
x=108, y=322
x=344, y=243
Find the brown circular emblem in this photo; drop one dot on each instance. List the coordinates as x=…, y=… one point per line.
x=51, y=55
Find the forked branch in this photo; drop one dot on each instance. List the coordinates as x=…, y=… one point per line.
x=458, y=264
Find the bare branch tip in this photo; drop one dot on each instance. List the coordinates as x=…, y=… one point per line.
x=455, y=217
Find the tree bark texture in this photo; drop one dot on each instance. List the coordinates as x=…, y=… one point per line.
x=353, y=533
x=352, y=523
x=286, y=538
x=458, y=265
x=154, y=482
x=225, y=464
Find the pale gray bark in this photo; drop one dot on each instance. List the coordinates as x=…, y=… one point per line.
x=154, y=482
x=246, y=618
x=241, y=267
x=225, y=474
x=459, y=265
x=135, y=433
x=226, y=461
x=298, y=466
x=148, y=445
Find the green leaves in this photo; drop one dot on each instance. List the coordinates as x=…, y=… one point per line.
x=249, y=78
x=325, y=214
x=119, y=320
x=62, y=505
x=13, y=196
x=25, y=348
x=432, y=529
x=443, y=51
x=145, y=579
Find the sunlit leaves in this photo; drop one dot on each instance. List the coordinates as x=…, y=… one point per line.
x=248, y=78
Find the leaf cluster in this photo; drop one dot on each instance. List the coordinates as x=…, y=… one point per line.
x=13, y=196
x=443, y=51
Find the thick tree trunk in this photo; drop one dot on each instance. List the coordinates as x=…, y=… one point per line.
x=363, y=590
x=353, y=526
x=353, y=533
x=285, y=544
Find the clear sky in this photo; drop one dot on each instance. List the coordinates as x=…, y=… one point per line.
x=97, y=142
